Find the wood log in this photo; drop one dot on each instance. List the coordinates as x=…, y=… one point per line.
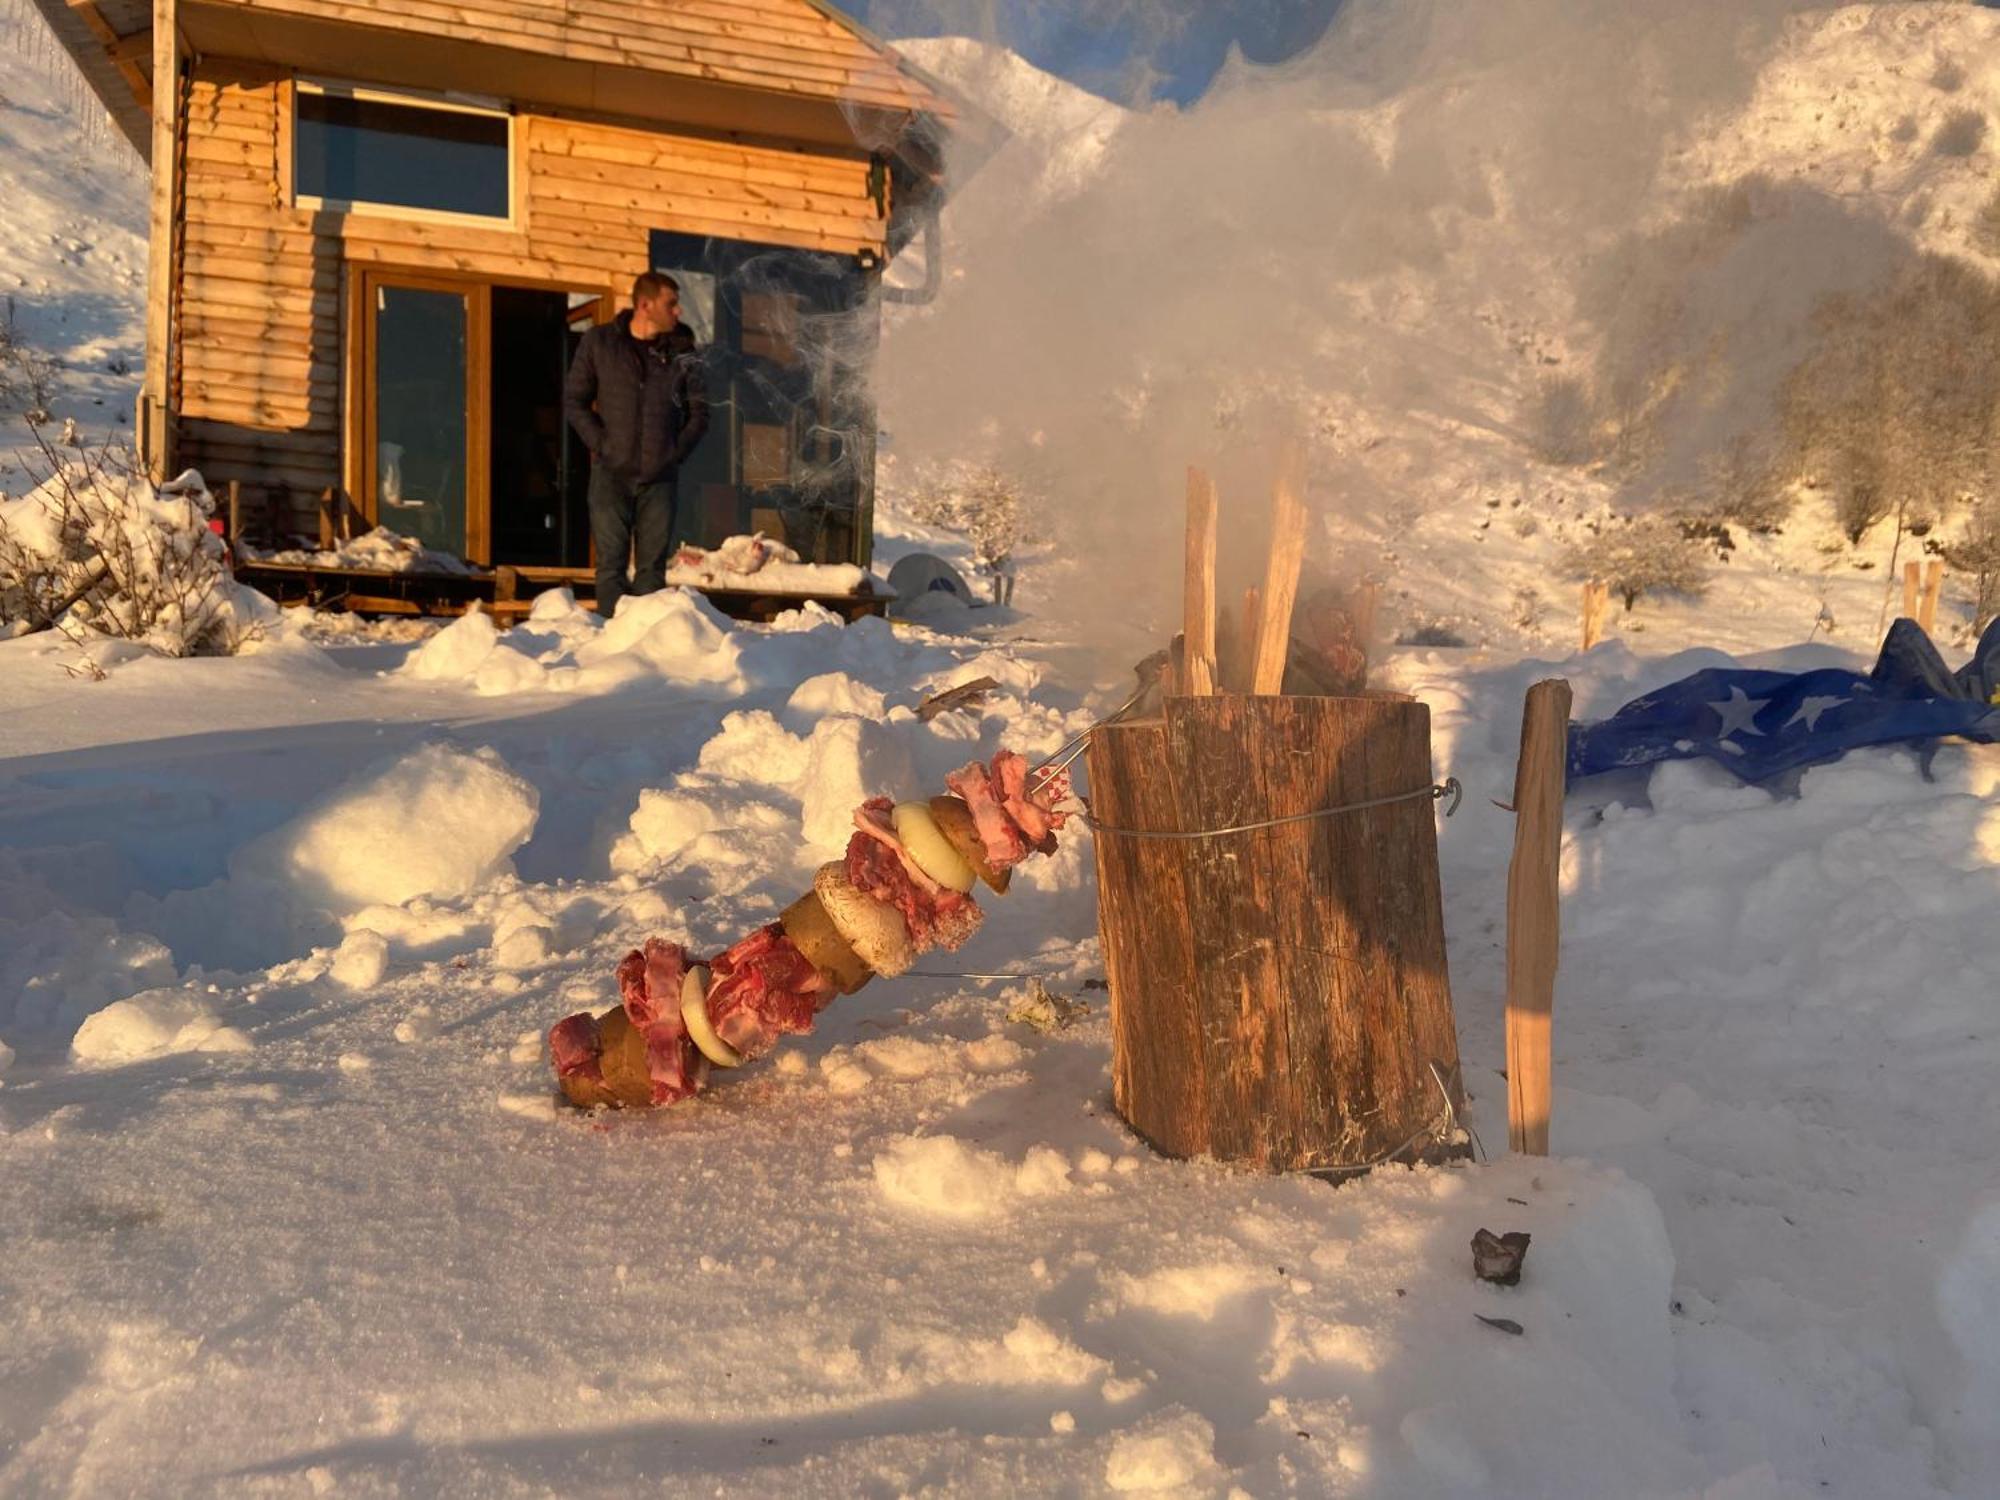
x=1533, y=913
x=1278, y=997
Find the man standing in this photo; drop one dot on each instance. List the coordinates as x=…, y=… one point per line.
x=643, y=373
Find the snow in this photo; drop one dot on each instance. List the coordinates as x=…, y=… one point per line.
x=757, y=562
x=380, y=550
x=154, y=1023
x=281, y=934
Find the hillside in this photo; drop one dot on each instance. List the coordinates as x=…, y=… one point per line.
x=72, y=240
x=1409, y=265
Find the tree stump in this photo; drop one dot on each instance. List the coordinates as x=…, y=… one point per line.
x=1278, y=997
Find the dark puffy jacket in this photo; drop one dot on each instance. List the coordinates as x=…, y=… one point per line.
x=651, y=399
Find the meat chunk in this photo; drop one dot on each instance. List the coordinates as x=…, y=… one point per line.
x=877, y=818
x=1001, y=836
x=1033, y=815
x=762, y=989
x=574, y=1047
x=945, y=919
x=649, y=983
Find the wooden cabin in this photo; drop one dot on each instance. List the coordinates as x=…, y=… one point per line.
x=379, y=227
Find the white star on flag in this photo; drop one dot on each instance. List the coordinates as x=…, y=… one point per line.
x=1738, y=711
x=1812, y=708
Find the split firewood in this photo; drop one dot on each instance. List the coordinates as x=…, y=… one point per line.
x=967, y=695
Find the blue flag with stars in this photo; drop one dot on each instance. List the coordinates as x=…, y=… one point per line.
x=1760, y=724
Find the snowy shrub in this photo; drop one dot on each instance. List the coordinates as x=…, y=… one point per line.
x=1947, y=77
x=1892, y=410
x=1741, y=483
x=1649, y=555
x=1560, y=422
x=1961, y=133
x=1977, y=553
x=991, y=506
x=1905, y=130
x=96, y=551
x=29, y=378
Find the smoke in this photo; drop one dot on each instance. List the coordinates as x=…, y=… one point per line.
x=1365, y=247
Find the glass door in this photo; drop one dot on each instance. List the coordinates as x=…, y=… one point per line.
x=424, y=394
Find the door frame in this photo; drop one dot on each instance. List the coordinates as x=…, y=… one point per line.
x=358, y=382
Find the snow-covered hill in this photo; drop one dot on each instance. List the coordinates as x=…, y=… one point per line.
x=1395, y=267
x=72, y=237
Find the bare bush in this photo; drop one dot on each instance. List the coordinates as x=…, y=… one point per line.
x=1560, y=422
x=96, y=552
x=1646, y=555
x=992, y=507
x=1977, y=553
x=1893, y=409
x=29, y=378
x=1961, y=133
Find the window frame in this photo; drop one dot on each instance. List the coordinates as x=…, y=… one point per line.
x=462, y=104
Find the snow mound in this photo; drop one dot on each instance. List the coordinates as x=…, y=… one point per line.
x=672, y=636
x=439, y=822
x=156, y=1023
x=944, y=1177
x=1168, y=1456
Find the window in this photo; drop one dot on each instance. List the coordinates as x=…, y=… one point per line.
x=360, y=147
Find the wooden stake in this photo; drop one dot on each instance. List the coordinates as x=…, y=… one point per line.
x=1910, y=573
x=1281, y=574
x=1533, y=913
x=1596, y=600
x=235, y=511
x=1933, y=586
x=1198, y=588
x=326, y=521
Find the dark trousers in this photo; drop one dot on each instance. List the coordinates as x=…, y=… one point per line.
x=629, y=523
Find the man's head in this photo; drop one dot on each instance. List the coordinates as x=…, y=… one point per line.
x=656, y=302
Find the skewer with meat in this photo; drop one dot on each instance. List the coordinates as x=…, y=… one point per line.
x=903, y=888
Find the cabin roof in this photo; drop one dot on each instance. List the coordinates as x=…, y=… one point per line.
x=820, y=72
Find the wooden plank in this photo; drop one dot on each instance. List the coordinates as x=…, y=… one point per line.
x=156, y=435
x=1912, y=576
x=1281, y=575
x=1157, y=1059
x=1198, y=585
x=1534, y=913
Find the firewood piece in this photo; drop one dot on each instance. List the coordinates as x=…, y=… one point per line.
x=1927, y=606
x=1534, y=913
x=1497, y=1257
x=1596, y=603
x=1281, y=575
x=965, y=696
x=1277, y=997
x=1198, y=593
x=1912, y=572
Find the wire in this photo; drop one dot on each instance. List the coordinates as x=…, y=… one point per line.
x=1447, y=791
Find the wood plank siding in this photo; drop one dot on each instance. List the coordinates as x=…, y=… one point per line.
x=260, y=326
x=787, y=46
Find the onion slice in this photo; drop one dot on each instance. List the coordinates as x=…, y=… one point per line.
x=932, y=851
x=694, y=1011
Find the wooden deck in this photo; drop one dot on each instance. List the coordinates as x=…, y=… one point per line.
x=507, y=593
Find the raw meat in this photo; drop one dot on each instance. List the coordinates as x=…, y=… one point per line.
x=762, y=989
